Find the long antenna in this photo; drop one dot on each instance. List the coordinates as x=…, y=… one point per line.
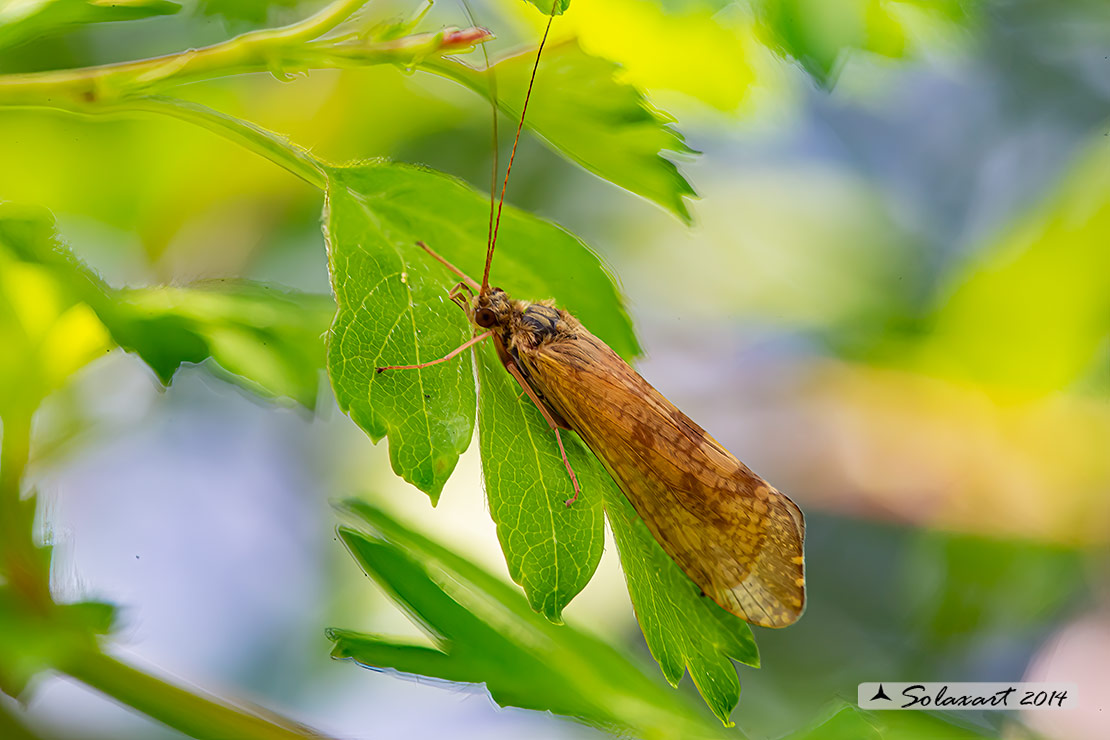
x=512, y=155
x=493, y=128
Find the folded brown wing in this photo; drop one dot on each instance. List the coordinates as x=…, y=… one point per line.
x=734, y=535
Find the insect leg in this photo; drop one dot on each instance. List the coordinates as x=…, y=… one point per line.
x=466, y=278
x=515, y=372
x=459, y=295
x=449, y=356
x=573, y=479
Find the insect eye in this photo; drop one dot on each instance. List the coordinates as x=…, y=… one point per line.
x=485, y=318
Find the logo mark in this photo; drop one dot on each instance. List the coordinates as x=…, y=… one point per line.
x=880, y=694
x=974, y=696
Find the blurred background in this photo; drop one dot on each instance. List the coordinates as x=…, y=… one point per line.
x=894, y=303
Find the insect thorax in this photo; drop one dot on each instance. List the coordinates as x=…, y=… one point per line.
x=542, y=320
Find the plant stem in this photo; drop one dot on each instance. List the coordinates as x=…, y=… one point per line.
x=279, y=51
x=14, y=453
x=248, y=52
x=189, y=711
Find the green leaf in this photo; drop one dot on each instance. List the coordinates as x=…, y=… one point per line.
x=265, y=339
x=24, y=21
x=391, y=311
x=580, y=109
x=552, y=550
x=684, y=630
x=393, y=307
x=483, y=632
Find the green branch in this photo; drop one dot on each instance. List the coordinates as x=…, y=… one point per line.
x=189, y=711
x=294, y=48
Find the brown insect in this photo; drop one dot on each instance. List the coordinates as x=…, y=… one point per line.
x=736, y=537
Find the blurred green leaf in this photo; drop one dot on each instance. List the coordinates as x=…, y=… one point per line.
x=819, y=33
x=580, y=109
x=265, y=339
x=848, y=723
x=30, y=19
x=688, y=46
x=552, y=550
x=965, y=586
x=393, y=307
x=684, y=630
x=555, y=7
x=852, y=723
x=1040, y=293
x=45, y=330
x=484, y=632
x=12, y=728
x=248, y=13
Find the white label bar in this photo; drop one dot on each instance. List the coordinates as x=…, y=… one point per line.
x=976, y=696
